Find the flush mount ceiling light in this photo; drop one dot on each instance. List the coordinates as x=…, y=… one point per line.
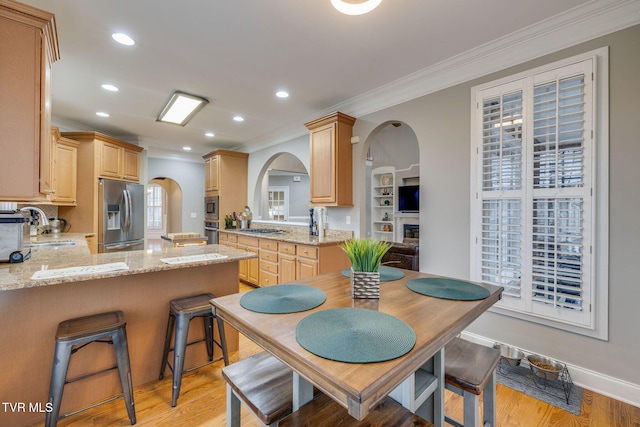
x=355, y=7
x=181, y=108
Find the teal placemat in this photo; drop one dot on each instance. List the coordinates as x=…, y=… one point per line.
x=447, y=288
x=355, y=335
x=386, y=274
x=280, y=299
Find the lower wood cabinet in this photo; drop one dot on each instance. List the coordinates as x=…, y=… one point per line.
x=283, y=262
x=287, y=265
x=249, y=268
x=307, y=261
x=268, y=262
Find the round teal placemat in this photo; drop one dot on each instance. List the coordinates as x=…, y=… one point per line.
x=355, y=335
x=447, y=288
x=386, y=274
x=280, y=299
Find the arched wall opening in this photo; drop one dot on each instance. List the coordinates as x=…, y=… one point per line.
x=171, y=208
x=391, y=149
x=282, y=190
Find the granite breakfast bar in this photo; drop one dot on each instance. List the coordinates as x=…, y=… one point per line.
x=30, y=310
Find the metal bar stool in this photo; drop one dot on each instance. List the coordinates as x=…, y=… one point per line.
x=469, y=370
x=73, y=335
x=181, y=311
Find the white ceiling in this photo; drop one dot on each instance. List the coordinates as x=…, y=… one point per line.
x=238, y=53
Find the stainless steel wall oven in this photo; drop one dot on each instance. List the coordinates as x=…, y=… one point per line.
x=211, y=208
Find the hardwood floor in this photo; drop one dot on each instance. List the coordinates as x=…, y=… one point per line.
x=202, y=404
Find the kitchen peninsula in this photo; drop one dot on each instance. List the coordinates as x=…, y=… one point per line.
x=287, y=253
x=140, y=283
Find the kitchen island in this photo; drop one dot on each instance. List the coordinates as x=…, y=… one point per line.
x=140, y=283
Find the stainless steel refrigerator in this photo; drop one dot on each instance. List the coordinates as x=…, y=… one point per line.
x=121, y=210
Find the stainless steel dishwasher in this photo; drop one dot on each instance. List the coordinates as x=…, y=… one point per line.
x=211, y=232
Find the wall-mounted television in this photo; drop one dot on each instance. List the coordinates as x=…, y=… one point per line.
x=409, y=198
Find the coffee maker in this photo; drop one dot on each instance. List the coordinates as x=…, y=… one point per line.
x=14, y=236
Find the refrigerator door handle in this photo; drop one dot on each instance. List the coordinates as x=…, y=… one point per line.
x=118, y=247
x=127, y=210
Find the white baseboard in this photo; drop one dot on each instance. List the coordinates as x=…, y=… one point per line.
x=606, y=385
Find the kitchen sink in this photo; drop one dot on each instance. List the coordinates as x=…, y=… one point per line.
x=51, y=243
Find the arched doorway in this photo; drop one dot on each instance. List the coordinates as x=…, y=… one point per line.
x=282, y=193
x=392, y=148
x=164, y=209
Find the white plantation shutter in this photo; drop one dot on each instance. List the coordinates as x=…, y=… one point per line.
x=502, y=219
x=534, y=199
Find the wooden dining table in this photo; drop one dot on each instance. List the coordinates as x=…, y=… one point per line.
x=360, y=386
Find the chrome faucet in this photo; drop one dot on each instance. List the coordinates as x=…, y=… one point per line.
x=44, y=222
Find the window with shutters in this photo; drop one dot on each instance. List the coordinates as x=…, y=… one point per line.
x=537, y=192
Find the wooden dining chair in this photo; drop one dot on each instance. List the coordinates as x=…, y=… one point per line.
x=263, y=384
x=469, y=370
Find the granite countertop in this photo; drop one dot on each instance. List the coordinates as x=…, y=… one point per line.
x=47, y=258
x=293, y=234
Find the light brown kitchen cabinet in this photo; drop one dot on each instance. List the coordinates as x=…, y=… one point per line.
x=92, y=243
x=249, y=269
x=119, y=160
x=307, y=261
x=64, y=169
x=28, y=48
x=110, y=157
x=226, y=176
x=286, y=268
x=331, y=175
x=268, y=262
x=211, y=174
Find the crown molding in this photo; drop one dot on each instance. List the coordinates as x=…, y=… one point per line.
x=587, y=22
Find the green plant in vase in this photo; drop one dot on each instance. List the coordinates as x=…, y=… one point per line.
x=365, y=256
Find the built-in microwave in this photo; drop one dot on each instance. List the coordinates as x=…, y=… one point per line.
x=211, y=208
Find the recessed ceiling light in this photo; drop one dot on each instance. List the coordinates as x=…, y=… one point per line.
x=102, y=114
x=186, y=148
x=238, y=118
x=282, y=94
x=110, y=88
x=355, y=7
x=210, y=134
x=123, y=39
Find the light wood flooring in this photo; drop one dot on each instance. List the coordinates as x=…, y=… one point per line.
x=202, y=404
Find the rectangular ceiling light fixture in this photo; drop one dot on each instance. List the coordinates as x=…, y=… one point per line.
x=181, y=108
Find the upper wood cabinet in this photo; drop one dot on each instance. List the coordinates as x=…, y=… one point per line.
x=226, y=176
x=331, y=175
x=119, y=160
x=28, y=48
x=211, y=174
x=64, y=169
x=112, y=158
